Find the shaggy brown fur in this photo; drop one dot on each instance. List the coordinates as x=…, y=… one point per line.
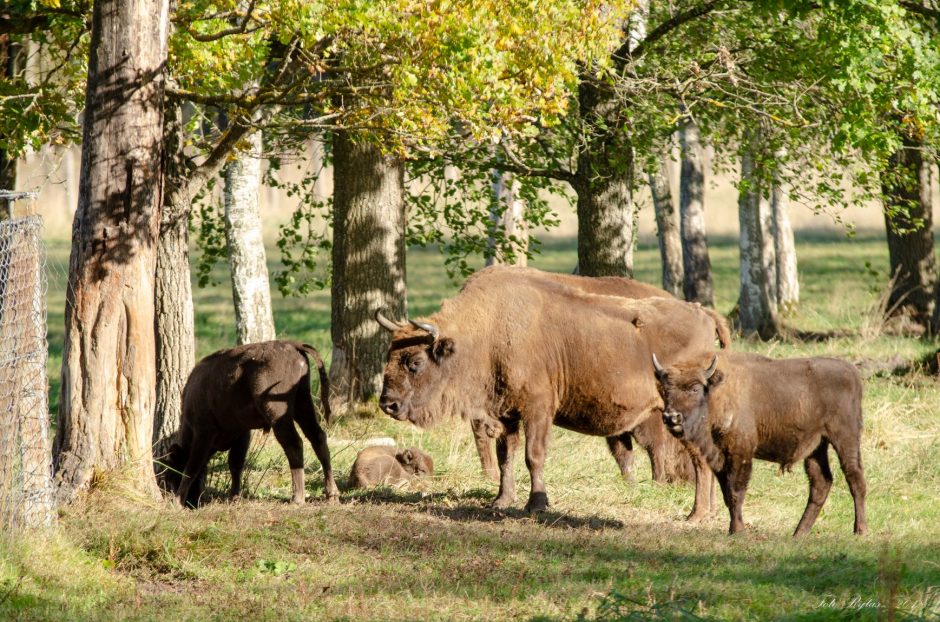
x=669, y=459
x=532, y=352
x=231, y=392
x=389, y=466
x=784, y=411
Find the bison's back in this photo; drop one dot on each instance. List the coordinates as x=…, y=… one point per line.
x=227, y=387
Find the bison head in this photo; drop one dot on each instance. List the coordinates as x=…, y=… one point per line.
x=413, y=369
x=685, y=396
x=416, y=462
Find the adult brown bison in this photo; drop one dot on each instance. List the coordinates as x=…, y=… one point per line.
x=262, y=385
x=669, y=460
x=743, y=406
x=532, y=351
x=389, y=465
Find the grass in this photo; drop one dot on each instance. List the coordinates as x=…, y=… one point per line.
x=606, y=550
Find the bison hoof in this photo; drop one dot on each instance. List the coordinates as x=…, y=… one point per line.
x=502, y=502
x=331, y=499
x=538, y=502
x=696, y=517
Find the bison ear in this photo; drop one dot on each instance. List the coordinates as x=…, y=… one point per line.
x=406, y=457
x=442, y=348
x=716, y=379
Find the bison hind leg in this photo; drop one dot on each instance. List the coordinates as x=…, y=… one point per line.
x=820, y=482
x=286, y=435
x=236, y=462
x=850, y=460
x=306, y=417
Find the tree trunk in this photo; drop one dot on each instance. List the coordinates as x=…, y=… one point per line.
x=757, y=303
x=173, y=294
x=108, y=372
x=508, y=216
x=788, y=284
x=368, y=264
x=696, y=265
x=9, y=64
x=604, y=185
x=908, y=208
x=667, y=227
x=251, y=289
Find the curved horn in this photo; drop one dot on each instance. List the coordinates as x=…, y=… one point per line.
x=386, y=323
x=656, y=365
x=711, y=368
x=431, y=328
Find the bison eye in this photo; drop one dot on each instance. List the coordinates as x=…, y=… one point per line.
x=414, y=364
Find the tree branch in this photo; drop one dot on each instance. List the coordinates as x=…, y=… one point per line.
x=624, y=52
x=925, y=9
x=519, y=167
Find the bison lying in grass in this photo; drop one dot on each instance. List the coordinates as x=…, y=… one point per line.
x=389, y=466
x=231, y=392
x=745, y=406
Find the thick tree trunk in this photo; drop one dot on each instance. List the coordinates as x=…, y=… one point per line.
x=908, y=208
x=108, y=372
x=604, y=185
x=251, y=289
x=508, y=216
x=173, y=295
x=368, y=264
x=667, y=227
x=788, y=284
x=757, y=302
x=696, y=265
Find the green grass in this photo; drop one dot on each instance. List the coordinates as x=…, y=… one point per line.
x=606, y=550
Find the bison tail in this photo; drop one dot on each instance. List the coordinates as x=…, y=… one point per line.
x=721, y=327
x=324, y=380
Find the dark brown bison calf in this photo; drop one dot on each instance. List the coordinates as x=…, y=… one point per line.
x=389, y=466
x=231, y=392
x=746, y=406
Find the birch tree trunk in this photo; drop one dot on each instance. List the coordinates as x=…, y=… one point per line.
x=696, y=264
x=368, y=264
x=173, y=294
x=667, y=227
x=508, y=216
x=908, y=208
x=788, y=284
x=251, y=289
x=757, y=302
x=108, y=371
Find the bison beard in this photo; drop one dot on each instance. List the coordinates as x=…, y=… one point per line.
x=231, y=392
x=741, y=408
x=528, y=351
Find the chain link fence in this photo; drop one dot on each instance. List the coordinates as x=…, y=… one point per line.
x=26, y=495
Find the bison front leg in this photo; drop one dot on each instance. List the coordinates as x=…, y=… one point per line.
x=505, y=452
x=704, y=482
x=536, y=444
x=734, y=480
x=484, y=449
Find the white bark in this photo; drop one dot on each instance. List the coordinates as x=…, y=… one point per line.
x=667, y=226
x=788, y=286
x=251, y=289
x=757, y=304
x=508, y=214
x=696, y=264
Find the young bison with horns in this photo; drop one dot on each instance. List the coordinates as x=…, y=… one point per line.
x=743, y=406
x=232, y=392
x=518, y=350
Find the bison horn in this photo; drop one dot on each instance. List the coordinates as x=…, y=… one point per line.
x=656, y=365
x=711, y=368
x=386, y=323
x=430, y=328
